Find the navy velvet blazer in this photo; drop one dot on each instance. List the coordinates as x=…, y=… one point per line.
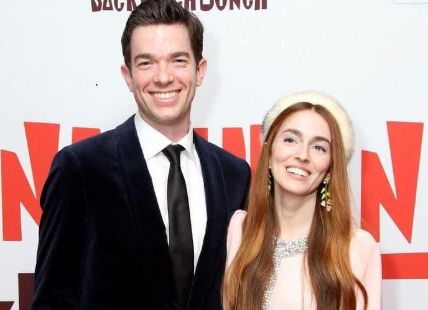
x=103, y=243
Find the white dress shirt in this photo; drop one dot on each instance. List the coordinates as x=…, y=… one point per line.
x=152, y=143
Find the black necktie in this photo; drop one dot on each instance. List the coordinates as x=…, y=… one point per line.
x=180, y=229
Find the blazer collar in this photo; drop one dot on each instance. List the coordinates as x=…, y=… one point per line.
x=147, y=219
x=213, y=249
x=142, y=202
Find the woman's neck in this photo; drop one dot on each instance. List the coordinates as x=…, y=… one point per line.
x=294, y=214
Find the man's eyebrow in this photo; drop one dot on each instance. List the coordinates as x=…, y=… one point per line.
x=180, y=54
x=172, y=55
x=143, y=56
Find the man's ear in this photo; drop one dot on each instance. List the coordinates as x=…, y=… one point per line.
x=200, y=71
x=127, y=76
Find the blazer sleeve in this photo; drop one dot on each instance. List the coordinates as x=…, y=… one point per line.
x=62, y=231
x=367, y=267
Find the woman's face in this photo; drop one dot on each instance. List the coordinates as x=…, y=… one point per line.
x=301, y=153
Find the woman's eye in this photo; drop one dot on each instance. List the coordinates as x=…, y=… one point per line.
x=320, y=148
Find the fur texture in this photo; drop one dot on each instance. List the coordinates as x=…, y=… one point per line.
x=319, y=98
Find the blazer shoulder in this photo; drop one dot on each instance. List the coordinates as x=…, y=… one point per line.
x=101, y=143
x=229, y=161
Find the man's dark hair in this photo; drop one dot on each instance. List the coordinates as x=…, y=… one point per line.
x=168, y=12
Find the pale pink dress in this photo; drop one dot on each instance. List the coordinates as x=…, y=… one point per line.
x=292, y=289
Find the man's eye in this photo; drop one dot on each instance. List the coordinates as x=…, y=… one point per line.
x=144, y=63
x=180, y=60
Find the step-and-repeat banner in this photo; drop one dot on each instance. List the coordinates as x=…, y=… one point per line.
x=60, y=82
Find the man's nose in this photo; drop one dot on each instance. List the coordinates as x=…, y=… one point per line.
x=163, y=75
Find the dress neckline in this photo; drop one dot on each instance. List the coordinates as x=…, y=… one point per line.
x=288, y=248
x=283, y=249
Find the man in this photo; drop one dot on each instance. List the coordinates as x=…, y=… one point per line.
x=110, y=235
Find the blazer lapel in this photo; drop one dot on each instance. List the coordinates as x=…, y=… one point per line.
x=142, y=201
x=144, y=210
x=212, y=254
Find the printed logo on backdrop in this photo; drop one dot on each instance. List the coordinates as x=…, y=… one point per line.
x=193, y=5
x=405, y=140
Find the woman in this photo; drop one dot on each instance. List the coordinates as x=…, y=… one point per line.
x=296, y=247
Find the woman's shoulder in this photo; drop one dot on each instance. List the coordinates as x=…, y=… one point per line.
x=234, y=234
x=367, y=266
x=364, y=250
x=238, y=217
x=235, y=227
x=363, y=239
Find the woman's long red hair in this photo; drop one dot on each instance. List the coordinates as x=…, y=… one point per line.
x=332, y=281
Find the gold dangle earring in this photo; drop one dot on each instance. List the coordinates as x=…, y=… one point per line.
x=270, y=178
x=325, y=193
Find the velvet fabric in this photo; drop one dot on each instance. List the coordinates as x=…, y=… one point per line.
x=102, y=241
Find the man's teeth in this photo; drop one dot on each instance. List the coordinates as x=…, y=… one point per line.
x=167, y=95
x=297, y=171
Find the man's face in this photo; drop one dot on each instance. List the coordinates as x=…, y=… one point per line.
x=163, y=76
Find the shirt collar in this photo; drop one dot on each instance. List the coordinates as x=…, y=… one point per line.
x=153, y=142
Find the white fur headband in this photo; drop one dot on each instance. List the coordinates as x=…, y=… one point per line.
x=314, y=97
